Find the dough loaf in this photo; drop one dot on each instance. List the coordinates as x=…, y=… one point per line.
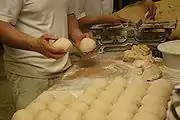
x=22, y=114
x=63, y=43
x=87, y=45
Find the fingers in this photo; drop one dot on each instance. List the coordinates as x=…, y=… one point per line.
x=49, y=37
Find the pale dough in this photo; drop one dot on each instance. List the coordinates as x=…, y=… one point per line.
x=145, y=115
x=155, y=109
x=119, y=81
x=115, y=88
x=63, y=43
x=120, y=115
x=99, y=83
x=137, y=91
x=94, y=114
x=56, y=107
x=22, y=114
x=143, y=84
x=70, y=114
x=45, y=98
x=79, y=106
x=93, y=91
x=101, y=105
x=108, y=97
x=46, y=115
x=86, y=98
x=87, y=45
x=152, y=73
x=65, y=97
x=35, y=107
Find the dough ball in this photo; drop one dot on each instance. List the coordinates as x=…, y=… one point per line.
x=153, y=99
x=108, y=97
x=65, y=97
x=101, y=105
x=120, y=115
x=115, y=89
x=56, y=107
x=45, y=98
x=35, y=107
x=120, y=81
x=94, y=114
x=22, y=114
x=142, y=84
x=164, y=83
x=146, y=115
x=99, y=83
x=46, y=115
x=152, y=73
x=155, y=109
x=63, y=43
x=93, y=91
x=70, y=114
x=79, y=106
x=125, y=106
x=87, y=45
x=86, y=98
x=136, y=91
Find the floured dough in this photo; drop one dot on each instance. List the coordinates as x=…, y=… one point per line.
x=63, y=43
x=94, y=114
x=79, y=106
x=108, y=97
x=22, y=114
x=87, y=45
x=86, y=98
x=46, y=115
x=152, y=73
x=139, y=83
x=145, y=115
x=65, y=97
x=70, y=114
x=99, y=83
x=35, y=107
x=101, y=105
x=56, y=107
x=115, y=89
x=120, y=115
x=119, y=81
x=45, y=98
x=93, y=91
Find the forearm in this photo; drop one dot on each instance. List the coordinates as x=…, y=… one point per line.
x=12, y=37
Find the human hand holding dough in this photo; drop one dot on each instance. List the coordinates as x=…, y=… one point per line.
x=87, y=45
x=63, y=43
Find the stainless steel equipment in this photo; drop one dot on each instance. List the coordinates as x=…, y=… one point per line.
x=120, y=37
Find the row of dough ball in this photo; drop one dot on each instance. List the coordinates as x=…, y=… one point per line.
x=86, y=45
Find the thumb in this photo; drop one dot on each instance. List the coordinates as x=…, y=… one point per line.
x=49, y=37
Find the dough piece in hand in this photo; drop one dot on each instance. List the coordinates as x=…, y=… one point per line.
x=86, y=98
x=22, y=114
x=65, y=97
x=94, y=114
x=63, y=43
x=120, y=81
x=46, y=115
x=152, y=73
x=99, y=83
x=70, y=114
x=56, y=107
x=153, y=99
x=115, y=89
x=93, y=91
x=155, y=109
x=108, y=97
x=45, y=98
x=120, y=115
x=145, y=115
x=35, y=107
x=87, y=45
x=79, y=106
x=101, y=105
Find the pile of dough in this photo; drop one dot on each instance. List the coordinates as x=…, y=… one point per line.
x=141, y=49
x=45, y=98
x=115, y=89
x=101, y=105
x=148, y=116
x=108, y=97
x=56, y=107
x=35, y=107
x=63, y=43
x=120, y=115
x=22, y=114
x=99, y=83
x=70, y=114
x=94, y=114
x=152, y=73
x=65, y=97
x=87, y=45
x=79, y=106
x=86, y=98
x=120, y=81
x=93, y=91
x=46, y=115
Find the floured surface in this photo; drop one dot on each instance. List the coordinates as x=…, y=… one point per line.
x=167, y=10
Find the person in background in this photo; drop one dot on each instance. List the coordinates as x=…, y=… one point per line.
x=91, y=12
x=32, y=65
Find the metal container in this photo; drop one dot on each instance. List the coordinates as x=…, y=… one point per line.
x=171, y=53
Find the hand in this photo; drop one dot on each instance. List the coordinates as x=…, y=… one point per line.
x=46, y=49
x=113, y=19
x=151, y=7
x=80, y=38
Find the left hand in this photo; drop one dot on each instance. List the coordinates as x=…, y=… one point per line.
x=151, y=7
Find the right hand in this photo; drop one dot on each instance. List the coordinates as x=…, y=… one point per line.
x=46, y=49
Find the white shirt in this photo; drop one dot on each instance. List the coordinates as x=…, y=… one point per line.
x=93, y=8
x=36, y=17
